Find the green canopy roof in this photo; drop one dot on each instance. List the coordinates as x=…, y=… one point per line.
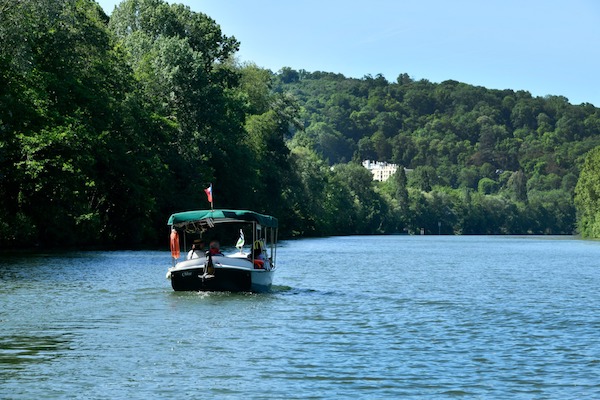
x=219, y=216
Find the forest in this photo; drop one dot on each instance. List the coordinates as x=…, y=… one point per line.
x=110, y=124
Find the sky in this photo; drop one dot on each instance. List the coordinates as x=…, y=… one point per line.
x=546, y=47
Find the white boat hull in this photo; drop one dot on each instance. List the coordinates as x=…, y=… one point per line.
x=234, y=273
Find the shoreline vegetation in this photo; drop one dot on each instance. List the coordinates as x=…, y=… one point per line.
x=110, y=124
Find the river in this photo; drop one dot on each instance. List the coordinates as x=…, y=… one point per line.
x=362, y=316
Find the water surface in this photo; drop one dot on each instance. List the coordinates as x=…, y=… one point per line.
x=371, y=317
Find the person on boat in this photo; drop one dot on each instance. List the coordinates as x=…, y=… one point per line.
x=258, y=255
x=215, y=248
x=196, y=251
x=257, y=252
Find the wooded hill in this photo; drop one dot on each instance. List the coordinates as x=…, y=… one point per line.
x=108, y=125
x=483, y=161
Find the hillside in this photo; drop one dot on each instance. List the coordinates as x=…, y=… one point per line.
x=525, y=152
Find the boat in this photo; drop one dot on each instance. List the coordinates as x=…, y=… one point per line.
x=213, y=270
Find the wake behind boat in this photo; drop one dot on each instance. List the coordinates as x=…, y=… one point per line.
x=211, y=270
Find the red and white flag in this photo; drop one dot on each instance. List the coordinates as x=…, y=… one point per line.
x=208, y=192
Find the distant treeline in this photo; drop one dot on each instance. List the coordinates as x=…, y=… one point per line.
x=483, y=161
x=108, y=125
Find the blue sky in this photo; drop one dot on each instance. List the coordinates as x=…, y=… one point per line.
x=547, y=47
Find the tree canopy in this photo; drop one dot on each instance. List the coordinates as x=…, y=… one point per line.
x=109, y=125
x=501, y=161
x=587, y=195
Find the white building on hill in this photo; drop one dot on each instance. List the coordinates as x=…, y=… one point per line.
x=381, y=170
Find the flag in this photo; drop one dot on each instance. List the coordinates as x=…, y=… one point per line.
x=175, y=244
x=240, y=242
x=208, y=192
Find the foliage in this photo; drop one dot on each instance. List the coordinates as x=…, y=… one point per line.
x=587, y=195
x=520, y=154
x=63, y=102
x=108, y=125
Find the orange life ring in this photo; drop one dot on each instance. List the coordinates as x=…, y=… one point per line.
x=175, y=244
x=259, y=264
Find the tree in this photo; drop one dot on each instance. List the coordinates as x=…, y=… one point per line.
x=182, y=63
x=288, y=75
x=423, y=178
x=381, y=146
x=517, y=186
x=587, y=196
x=330, y=144
x=487, y=186
x=70, y=84
x=368, y=204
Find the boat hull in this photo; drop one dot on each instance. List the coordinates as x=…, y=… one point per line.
x=221, y=278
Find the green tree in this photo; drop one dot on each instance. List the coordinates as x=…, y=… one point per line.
x=517, y=186
x=288, y=75
x=182, y=62
x=423, y=178
x=398, y=191
x=70, y=84
x=370, y=208
x=587, y=196
x=487, y=186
